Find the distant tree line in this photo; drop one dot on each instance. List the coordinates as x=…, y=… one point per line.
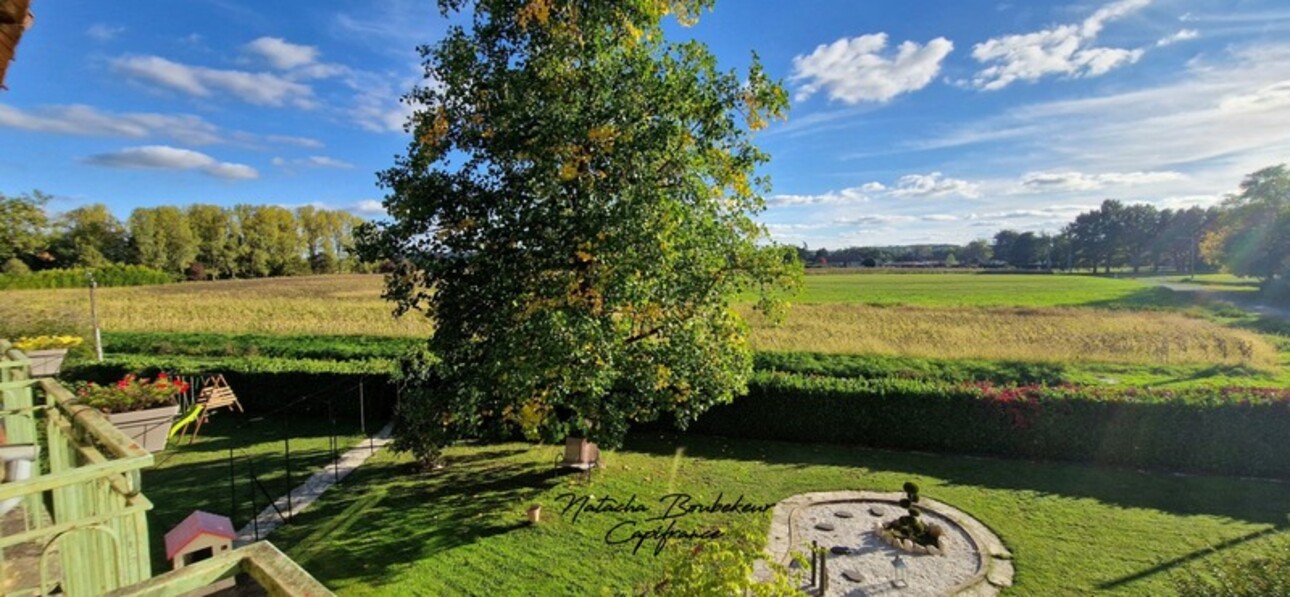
x=1248, y=234
x=199, y=241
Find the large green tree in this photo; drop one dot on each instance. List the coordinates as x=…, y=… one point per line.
x=90, y=236
x=24, y=226
x=576, y=213
x=217, y=234
x=162, y=238
x=1253, y=233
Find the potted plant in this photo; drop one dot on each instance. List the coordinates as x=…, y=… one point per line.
x=46, y=352
x=141, y=408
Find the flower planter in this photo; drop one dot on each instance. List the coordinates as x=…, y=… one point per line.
x=148, y=428
x=46, y=363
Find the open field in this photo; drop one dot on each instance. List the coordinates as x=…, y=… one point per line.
x=1052, y=335
x=1072, y=529
x=969, y=290
x=944, y=316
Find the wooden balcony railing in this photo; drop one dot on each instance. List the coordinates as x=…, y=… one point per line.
x=77, y=522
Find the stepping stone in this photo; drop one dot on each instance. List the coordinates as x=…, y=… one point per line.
x=853, y=576
x=824, y=526
x=840, y=550
x=875, y=512
x=843, y=514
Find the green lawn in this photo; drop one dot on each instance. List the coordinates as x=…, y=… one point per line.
x=461, y=531
x=970, y=290
x=195, y=476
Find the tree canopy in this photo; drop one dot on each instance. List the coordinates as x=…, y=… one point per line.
x=576, y=213
x=1253, y=237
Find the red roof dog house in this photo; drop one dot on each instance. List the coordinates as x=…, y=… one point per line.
x=199, y=537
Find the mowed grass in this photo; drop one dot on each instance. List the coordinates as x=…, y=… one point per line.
x=1073, y=530
x=1015, y=317
x=966, y=290
x=196, y=476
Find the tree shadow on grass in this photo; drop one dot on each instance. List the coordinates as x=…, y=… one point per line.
x=1182, y=561
x=391, y=514
x=1252, y=500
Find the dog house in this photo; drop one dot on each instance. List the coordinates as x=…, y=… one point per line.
x=199, y=537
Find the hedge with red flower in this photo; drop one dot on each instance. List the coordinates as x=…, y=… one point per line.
x=133, y=393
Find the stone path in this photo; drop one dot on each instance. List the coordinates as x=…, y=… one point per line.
x=308, y=492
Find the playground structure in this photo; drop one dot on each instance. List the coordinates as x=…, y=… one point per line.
x=214, y=395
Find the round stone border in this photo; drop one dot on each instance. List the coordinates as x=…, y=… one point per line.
x=996, y=570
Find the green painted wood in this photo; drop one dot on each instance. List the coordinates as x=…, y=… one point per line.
x=273, y=570
x=97, y=514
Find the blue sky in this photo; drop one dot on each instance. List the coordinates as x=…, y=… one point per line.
x=915, y=121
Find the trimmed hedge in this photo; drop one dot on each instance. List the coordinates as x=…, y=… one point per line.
x=334, y=348
x=112, y=275
x=902, y=367
x=1235, y=431
x=271, y=385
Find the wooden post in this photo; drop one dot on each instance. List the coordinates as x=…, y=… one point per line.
x=94, y=318
x=815, y=560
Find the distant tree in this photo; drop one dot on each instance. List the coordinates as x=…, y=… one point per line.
x=1098, y=236
x=951, y=260
x=1141, y=226
x=576, y=214
x=821, y=256
x=977, y=252
x=90, y=236
x=217, y=236
x=24, y=226
x=1004, y=244
x=162, y=238
x=1252, y=237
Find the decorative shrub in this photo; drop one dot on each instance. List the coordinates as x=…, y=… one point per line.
x=911, y=526
x=132, y=393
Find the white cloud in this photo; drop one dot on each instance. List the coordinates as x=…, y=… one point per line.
x=281, y=54
x=857, y=69
x=1266, y=98
x=939, y=218
x=858, y=194
x=1181, y=35
x=307, y=142
x=1059, y=181
x=934, y=184
x=264, y=89
x=1062, y=50
x=369, y=207
x=85, y=120
x=1222, y=117
x=103, y=32
x=378, y=106
x=164, y=157
x=873, y=220
x=314, y=161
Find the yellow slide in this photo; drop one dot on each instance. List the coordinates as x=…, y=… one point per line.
x=187, y=419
